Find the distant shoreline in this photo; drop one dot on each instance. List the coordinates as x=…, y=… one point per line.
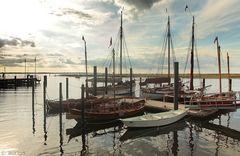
x=79, y=74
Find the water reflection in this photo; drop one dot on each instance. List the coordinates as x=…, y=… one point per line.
x=155, y=131
x=175, y=143
x=33, y=119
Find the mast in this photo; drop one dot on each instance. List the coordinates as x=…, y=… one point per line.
x=228, y=67
x=113, y=52
x=169, y=39
x=192, y=56
x=219, y=64
x=85, y=49
x=121, y=46
x=25, y=67
x=35, y=67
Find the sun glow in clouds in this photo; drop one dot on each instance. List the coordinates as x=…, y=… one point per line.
x=22, y=18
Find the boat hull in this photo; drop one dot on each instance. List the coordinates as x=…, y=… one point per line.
x=154, y=120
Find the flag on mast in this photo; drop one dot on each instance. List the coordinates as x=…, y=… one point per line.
x=110, y=44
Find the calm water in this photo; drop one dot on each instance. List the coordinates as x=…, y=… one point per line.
x=22, y=130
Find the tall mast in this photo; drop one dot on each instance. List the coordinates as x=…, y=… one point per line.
x=169, y=39
x=121, y=46
x=113, y=52
x=219, y=64
x=35, y=67
x=192, y=57
x=228, y=67
x=25, y=67
x=85, y=50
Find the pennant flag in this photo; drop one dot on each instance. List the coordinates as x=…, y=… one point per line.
x=215, y=39
x=186, y=7
x=110, y=44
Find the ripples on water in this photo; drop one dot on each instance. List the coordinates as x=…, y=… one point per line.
x=23, y=131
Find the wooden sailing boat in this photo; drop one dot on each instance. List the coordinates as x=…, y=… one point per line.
x=165, y=86
x=121, y=87
x=111, y=108
x=165, y=90
x=217, y=100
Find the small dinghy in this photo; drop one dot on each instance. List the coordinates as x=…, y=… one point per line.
x=154, y=120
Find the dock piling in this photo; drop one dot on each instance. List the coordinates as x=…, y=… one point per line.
x=230, y=85
x=176, y=82
x=140, y=82
x=60, y=106
x=67, y=88
x=95, y=81
x=106, y=80
x=83, y=120
x=131, y=86
x=15, y=82
x=203, y=83
x=33, y=108
x=44, y=107
x=60, y=117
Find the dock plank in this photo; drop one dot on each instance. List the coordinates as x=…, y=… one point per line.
x=160, y=105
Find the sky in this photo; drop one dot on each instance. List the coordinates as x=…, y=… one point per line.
x=52, y=30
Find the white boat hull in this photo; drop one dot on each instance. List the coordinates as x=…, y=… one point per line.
x=123, y=90
x=155, y=120
x=152, y=96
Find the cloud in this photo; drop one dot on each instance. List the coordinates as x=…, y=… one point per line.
x=15, y=41
x=134, y=8
x=70, y=11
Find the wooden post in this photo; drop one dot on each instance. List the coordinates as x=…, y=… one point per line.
x=95, y=81
x=106, y=80
x=176, y=82
x=175, y=147
x=32, y=82
x=66, y=88
x=60, y=107
x=230, y=85
x=44, y=106
x=203, y=83
x=229, y=76
x=131, y=85
x=83, y=120
x=27, y=80
x=33, y=112
x=140, y=82
x=60, y=117
x=15, y=82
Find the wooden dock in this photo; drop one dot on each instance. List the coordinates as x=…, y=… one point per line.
x=16, y=82
x=166, y=106
x=162, y=106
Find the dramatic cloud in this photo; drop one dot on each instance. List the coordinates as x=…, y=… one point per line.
x=15, y=41
x=133, y=8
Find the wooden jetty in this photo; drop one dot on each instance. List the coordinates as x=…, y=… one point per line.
x=16, y=82
x=161, y=106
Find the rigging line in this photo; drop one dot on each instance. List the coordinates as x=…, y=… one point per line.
x=159, y=58
x=162, y=54
x=187, y=58
x=129, y=61
x=198, y=64
x=164, y=51
x=173, y=52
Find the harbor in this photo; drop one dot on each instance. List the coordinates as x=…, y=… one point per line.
x=219, y=133
x=121, y=78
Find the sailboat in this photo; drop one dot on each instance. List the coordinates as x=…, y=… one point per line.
x=119, y=87
x=165, y=89
x=217, y=100
x=111, y=108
